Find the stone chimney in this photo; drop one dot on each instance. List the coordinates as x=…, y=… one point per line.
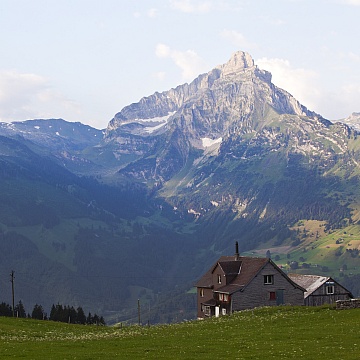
x=237, y=255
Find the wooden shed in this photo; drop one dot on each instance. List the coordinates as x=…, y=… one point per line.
x=320, y=290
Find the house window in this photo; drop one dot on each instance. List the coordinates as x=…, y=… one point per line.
x=219, y=279
x=330, y=289
x=223, y=297
x=268, y=279
x=202, y=292
x=207, y=310
x=272, y=295
x=223, y=311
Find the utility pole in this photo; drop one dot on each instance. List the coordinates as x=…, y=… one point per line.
x=12, y=291
x=139, y=312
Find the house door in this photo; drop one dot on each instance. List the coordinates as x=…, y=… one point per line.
x=279, y=297
x=217, y=311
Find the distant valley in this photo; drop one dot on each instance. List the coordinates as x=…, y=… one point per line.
x=139, y=210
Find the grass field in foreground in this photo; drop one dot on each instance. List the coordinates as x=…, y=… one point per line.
x=265, y=333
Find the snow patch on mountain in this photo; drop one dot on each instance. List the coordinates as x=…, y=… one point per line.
x=207, y=142
x=146, y=126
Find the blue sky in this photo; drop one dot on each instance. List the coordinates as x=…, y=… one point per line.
x=84, y=60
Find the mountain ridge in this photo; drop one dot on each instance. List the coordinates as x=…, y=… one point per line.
x=174, y=181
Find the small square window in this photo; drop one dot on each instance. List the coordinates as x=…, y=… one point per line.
x=330, y=289
x=226, y=297
x=272, y=295
x=223, y=311
x=268, y=279
x=221, y=297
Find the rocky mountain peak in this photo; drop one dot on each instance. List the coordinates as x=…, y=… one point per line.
x=231, y=100
x=353, y=120
x=239, y=61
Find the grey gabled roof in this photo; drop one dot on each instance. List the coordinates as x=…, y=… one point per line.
x=309, y=282
x=312, y=282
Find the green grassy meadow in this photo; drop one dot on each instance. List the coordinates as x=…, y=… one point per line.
x=264, y=333
x=318, y=248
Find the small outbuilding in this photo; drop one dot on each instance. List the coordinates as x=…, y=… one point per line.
x=320, y=290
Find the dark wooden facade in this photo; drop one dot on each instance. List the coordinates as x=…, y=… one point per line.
x=236, y=283
x=320, y=290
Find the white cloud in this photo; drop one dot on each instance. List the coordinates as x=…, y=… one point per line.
x=352, y=2
x=188, y=61
x=316, y=94
x=272, y=21
x=152, y=13
x=354, y=57
x=206, y=6
x=237, y=39
x=30, y=96
x=301, y=83
x=160, y=75
x=191, y=6
x=162, y=51
x=350, y=95
x=340, y=102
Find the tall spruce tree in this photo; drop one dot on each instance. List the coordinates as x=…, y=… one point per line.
x=20, y=310
x=38, y=313
x=81, y=317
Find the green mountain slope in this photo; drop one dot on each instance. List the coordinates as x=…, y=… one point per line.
x=72, y=240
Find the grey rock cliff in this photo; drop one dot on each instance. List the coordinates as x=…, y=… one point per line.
x=233, y=99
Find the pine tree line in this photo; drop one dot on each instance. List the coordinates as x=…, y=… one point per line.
x=74, y=316
x=67, y=314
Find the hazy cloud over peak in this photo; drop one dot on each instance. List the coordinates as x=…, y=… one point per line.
x=188, y=61
x=237, y=39
x=30, y=96
x=299, y=82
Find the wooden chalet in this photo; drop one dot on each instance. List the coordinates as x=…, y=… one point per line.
x=320, y=290
x=238, y=282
